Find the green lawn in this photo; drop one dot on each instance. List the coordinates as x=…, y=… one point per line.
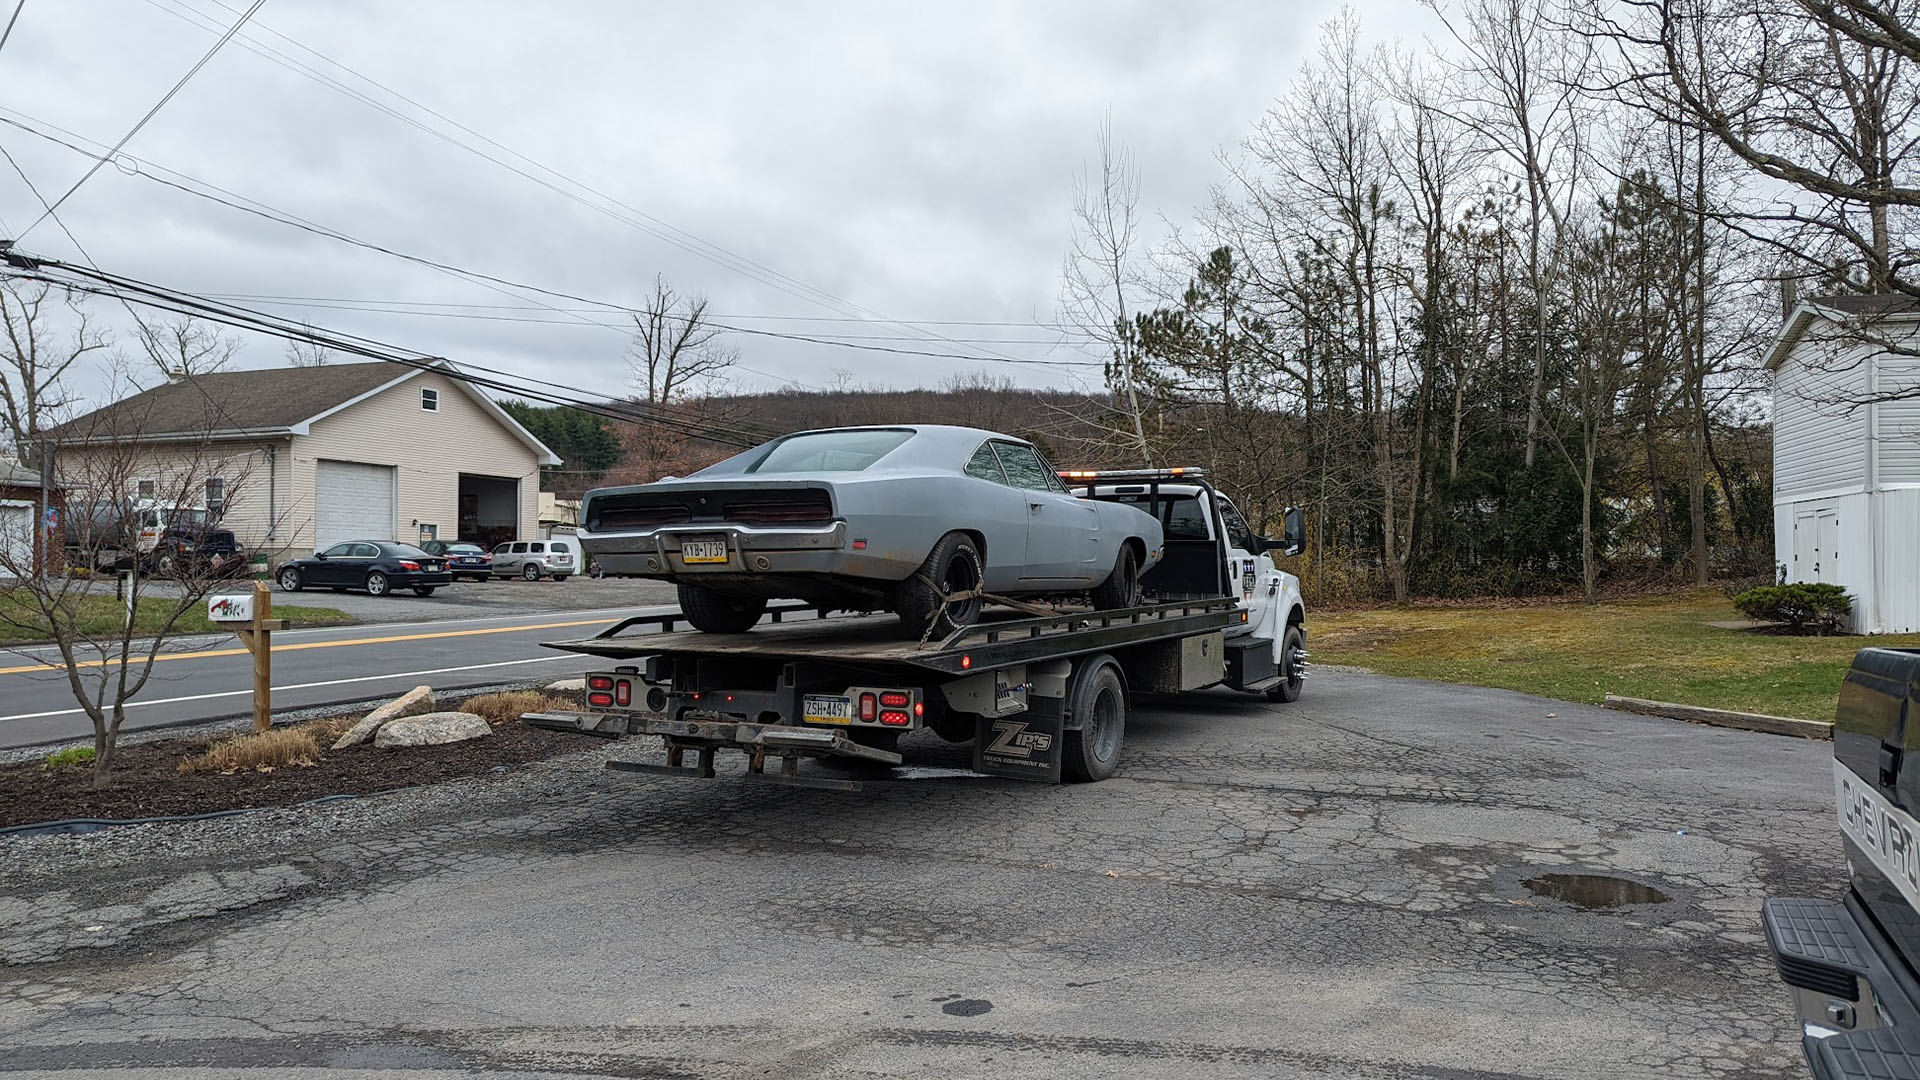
x=102, y=615
x=1656, y=647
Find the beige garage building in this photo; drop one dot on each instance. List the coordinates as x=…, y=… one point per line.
x=295, y=459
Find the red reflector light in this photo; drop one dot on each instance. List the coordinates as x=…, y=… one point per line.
x=895, y=718
x=859, y=545
x=623, y=692
x=599, y=682
x=866, y=706
x=895, y=699
x=919, y=708
x=600, y=698
x=966, y=662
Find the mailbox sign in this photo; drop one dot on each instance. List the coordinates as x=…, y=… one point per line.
x=230, y=608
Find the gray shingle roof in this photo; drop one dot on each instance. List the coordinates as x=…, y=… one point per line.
x=266, y=399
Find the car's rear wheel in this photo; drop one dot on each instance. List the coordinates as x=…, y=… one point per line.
x=714, y=612
x=944, y=594
x=377, y=584
x=530, y=571
x=1122, y=587
x=424, y=590
x=290, y=579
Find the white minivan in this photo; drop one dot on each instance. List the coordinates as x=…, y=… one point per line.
x=531, y=559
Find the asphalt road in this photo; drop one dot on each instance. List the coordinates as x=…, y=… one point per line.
x=1335, y=888
x=210, y=677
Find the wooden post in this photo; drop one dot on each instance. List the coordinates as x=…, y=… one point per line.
x=257, y=636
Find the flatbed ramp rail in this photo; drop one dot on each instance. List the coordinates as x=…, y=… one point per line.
x=1039, y=698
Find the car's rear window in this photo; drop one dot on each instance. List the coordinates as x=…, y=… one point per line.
x=830, y=451
x=558, y=546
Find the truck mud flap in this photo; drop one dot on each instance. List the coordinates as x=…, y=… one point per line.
x=1021, y=747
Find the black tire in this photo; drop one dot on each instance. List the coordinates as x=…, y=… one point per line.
x=424, y=590
x=167, y=565
x=1293, y=680
x=1099, y=702
x=1122, y=587
x=954, y=727
x=289, y=578
x=530, y=571
x=953, y=566
x=558, y=578
x=716, y=612
x=378, y=584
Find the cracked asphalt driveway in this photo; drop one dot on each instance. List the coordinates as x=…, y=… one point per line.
x=1331, y=888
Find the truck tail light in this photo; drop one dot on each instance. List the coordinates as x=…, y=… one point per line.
x=599, y=682
x=600, y=699
x=623, y=692
x=895, y=718
x=895, y=699
x=919, y=708
x=867, y=706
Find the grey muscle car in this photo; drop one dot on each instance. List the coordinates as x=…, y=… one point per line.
x=915, y=519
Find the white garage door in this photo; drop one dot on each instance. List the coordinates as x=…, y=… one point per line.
x=352, y=502
x=16, y=538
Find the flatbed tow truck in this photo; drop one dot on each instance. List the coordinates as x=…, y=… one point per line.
x=1039, y=697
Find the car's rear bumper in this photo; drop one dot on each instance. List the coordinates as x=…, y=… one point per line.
x=406, y=580
x=751, y=550
x=1858, y=1007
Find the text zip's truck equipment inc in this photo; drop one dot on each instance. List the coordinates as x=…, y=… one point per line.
x=1039, y=694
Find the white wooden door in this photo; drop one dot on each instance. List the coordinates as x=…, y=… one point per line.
x=1816, y=544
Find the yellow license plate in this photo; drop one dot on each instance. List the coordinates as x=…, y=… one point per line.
x=821, y=709
x=703, y=551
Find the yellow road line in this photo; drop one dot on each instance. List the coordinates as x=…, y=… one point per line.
x=297, y=646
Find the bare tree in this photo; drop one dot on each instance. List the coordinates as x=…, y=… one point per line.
x=308, y=353
x=33, y=377
x=1099, y=273
x=675, y=353
x=182, y=345
x=109, y=630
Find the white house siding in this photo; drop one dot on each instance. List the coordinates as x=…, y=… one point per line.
x=1897, y=610
x=1899, y=423
x=259, y=497
x=428, y=449
x=1818, y=449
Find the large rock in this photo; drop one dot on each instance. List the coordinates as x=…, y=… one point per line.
x=412, y=703
x=431, y=729
x=567, y=686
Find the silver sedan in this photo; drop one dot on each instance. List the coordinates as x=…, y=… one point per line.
x=916, y=519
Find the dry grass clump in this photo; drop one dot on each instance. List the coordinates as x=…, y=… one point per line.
x=505, y=708
x=263, y=751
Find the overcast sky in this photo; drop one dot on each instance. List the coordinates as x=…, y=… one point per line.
x=910, y=161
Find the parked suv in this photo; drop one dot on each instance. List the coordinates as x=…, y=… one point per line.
x=1850, y=963
x=531, y=559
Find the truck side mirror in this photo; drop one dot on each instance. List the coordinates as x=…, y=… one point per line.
x=1295, y=540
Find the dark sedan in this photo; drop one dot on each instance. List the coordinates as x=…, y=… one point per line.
x=464, y=560
x=378, y=566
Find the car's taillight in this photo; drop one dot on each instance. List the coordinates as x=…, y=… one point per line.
x=896, y=699
x=600, y=699
x=623, y=692
x=407, y=565
x=599, y=682
x=867, y=705
x=895, y=718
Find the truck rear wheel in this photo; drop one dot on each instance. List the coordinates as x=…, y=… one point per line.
x=1099, y=703
x=715, y=612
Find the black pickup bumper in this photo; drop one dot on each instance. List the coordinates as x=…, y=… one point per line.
x=1858, y=1016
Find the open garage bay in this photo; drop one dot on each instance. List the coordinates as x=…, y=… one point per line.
x=1389, y=879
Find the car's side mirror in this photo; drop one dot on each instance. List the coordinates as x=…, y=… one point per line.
x=320, y=555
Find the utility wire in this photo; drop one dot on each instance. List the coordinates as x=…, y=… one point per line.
x=151, y=113
x=14, y=18
x=647, y=223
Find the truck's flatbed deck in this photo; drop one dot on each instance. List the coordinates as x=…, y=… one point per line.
x=1002, y=637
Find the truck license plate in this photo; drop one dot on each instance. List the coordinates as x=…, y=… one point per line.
x=703, y=551
x=820, y=709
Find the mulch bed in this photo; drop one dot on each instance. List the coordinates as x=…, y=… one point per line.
x=146, y=780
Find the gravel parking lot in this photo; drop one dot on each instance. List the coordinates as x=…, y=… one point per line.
x=1333, y=888
x=506, y=596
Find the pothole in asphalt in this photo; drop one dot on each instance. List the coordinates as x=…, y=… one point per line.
x=1594, y=892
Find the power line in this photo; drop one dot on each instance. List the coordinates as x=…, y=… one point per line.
x=151, y=113
x=8, y=32
x=648, y=223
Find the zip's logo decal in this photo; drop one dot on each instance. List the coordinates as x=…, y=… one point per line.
x=1012, y=738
